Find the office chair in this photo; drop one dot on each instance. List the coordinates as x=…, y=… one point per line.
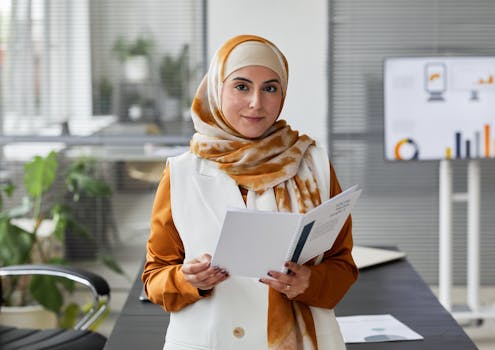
x=80, y=337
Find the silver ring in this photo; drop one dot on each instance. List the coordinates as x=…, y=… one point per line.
x=287, y=287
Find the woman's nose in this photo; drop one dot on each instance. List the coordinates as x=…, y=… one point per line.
x=255, y=101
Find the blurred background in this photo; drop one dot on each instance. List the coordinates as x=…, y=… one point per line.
x=113, y=81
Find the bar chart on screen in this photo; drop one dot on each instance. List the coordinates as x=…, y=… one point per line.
x=439, y=108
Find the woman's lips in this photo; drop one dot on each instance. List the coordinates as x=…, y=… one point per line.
x=254, y=118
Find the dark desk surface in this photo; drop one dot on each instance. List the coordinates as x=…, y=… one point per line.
x=394, y=288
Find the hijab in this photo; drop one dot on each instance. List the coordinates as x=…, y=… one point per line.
x=276, y=169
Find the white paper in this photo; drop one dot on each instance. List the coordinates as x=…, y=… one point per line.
x=328, y=220
x=368, y=256
x=253, y=242
x=375, y=328
x=249, y=239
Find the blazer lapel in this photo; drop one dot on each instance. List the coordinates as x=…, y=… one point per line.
x=217, y=190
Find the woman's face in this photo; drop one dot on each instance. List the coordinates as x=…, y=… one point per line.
x=251, y=100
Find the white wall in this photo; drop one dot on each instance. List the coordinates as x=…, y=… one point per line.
x=79, y=62
x=300, y=30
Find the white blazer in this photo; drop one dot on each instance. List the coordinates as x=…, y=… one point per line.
x=235, y=315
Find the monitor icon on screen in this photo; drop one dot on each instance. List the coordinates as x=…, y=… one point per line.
x=435, y=81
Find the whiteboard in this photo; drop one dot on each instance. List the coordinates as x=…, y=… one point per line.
x=439, y=108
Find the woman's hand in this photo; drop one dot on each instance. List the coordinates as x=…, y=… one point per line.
x=201, y=275
x=291, y=284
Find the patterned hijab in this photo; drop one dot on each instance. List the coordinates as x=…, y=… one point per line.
x=276, y=168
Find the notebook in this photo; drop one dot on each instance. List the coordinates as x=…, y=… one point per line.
x=367, y=256
x=253, y=242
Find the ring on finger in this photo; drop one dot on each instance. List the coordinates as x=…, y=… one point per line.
x=287, y=287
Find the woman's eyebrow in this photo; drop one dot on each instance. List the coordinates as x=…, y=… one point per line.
x=249, y=81
x=242, y=79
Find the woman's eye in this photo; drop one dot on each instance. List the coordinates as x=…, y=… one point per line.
x=270, y=88
x=241, y=87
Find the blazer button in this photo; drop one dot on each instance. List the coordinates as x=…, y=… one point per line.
x=238, y=332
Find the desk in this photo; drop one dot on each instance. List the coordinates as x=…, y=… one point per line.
x=393, y=288
x=140, y=325
x=396, y=288
x=139, y=162
x=128, y=153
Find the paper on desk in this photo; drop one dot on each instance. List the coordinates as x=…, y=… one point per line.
x=374, y=328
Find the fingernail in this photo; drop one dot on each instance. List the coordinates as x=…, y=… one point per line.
x=269, y=274
x=261, y=280
x=286, y=264
x=216, y=268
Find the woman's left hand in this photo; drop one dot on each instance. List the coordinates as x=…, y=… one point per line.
x=291, y=284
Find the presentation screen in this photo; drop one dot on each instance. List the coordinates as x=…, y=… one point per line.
x=439, y=108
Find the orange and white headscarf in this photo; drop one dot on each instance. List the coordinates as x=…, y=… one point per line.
x=276, y=168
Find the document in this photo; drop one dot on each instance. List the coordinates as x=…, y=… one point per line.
x=374, y=328
x=369, y=256
x=253, y=242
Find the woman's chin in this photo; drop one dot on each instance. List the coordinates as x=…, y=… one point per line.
x=252, y=134
x=253, y=130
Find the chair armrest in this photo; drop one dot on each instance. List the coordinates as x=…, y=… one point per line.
x=95, y=283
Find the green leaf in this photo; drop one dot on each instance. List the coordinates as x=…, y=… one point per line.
x=110, y=262
x=22, y=209
x=15, y=244
x=175, y=72
x=8, y=189
x=81, y=180
x=65, y=222
x=78, y=228
x=46, y=292
x=85, y=184
x=61, y=216
x=69, y=316
x=40, y=173
x=119, y=49
x=69, y=285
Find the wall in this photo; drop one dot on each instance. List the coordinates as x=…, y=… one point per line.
x=399, y=205
x=300, y=30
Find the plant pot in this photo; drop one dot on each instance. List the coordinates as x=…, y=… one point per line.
x=136, y=69
x=33, y=316
x=171, y=109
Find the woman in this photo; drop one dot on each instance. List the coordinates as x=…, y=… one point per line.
x=242, y=156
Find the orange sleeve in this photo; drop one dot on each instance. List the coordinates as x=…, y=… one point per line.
x=162, y=276
x=333, y=277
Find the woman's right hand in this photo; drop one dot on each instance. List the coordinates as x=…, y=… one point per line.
x=199, y=273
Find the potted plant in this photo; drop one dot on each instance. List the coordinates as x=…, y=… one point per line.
x=34, y=232
x=175, y=76
x=102, y=97
x=135, y=55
